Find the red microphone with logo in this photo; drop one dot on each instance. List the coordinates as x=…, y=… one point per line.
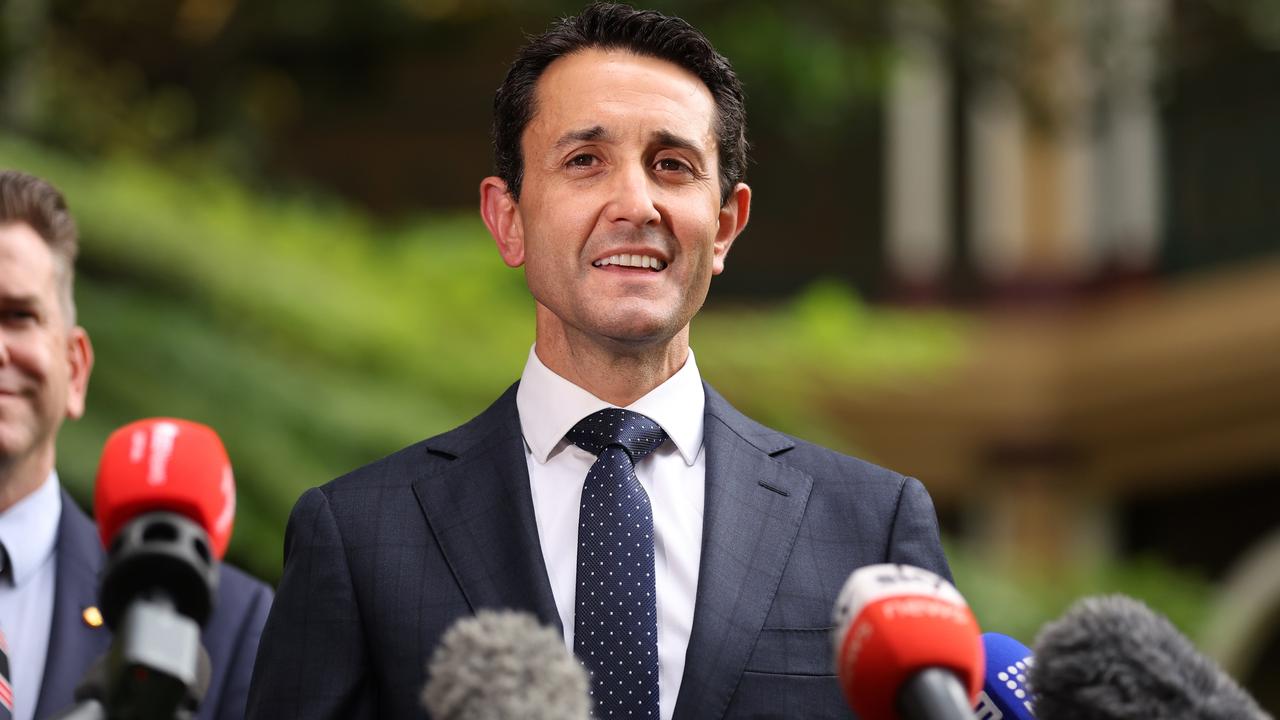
x=906, y=646
x=164, y=502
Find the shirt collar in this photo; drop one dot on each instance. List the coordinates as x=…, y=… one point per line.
x=29, y=529
x=549, y=407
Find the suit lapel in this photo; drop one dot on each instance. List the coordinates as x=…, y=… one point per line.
x=73, y=645
x=476, y=498
x=754, y=504
x=477, y=501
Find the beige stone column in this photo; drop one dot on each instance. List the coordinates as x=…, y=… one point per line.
x=918, y=153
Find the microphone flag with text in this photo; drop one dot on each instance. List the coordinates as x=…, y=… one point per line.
x=1006, y=693
x=906, y=645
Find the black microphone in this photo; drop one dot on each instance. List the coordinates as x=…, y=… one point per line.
x=1113, y=658
x=503, y=665
x=164, y=502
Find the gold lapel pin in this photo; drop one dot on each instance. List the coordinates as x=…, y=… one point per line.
x=92, y=616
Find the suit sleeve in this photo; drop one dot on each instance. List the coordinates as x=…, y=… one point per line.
x=913, y=537
x=311, y=661
x=257, y=602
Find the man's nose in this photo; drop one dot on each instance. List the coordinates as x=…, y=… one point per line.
x=631, y=197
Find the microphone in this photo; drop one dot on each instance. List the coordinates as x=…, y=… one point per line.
x=503, y=665
x=906, y=645
x=1113, y=658
x=164, y=501
x=1005, y=692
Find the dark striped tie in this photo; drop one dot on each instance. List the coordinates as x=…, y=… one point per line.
x=6, y=687
x=615, y=626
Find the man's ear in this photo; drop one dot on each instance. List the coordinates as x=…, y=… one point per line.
x=733, y=218
x=502, y=217
x=80, y=364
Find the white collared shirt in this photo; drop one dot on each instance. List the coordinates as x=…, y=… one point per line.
x=674, y=476
x=29, y=531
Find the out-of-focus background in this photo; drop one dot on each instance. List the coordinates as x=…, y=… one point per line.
x=1027, y=250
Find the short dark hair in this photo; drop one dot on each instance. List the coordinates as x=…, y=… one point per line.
x=644, y=32
x=35, y=202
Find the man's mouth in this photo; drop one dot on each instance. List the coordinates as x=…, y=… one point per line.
x=632, y=261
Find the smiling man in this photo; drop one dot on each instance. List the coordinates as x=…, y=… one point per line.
x=617, y=213
x=690, y=556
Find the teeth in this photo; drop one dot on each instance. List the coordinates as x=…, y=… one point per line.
x=630, y=260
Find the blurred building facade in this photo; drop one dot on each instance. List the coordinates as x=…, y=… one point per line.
x=1100, y=196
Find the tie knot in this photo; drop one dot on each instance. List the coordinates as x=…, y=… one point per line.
x=634, y=432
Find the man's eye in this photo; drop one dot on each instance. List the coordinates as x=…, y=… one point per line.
x=583, y=160
x=672, y=165
x=17, y=316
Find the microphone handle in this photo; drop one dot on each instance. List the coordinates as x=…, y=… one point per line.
x=90, y=709
x=934, y=694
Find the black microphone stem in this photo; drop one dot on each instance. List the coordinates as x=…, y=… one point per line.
x=934, y=694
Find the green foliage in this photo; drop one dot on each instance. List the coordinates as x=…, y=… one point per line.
x=784, y=365
x=807, y=67
x=311, y=340
x=1018, y=604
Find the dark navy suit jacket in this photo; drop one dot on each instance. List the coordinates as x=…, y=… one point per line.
x=230, y=636
x=379, y=563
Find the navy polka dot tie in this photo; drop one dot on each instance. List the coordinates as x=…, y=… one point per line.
x=615, y=626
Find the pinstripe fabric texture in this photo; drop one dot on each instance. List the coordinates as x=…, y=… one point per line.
x=616, y=610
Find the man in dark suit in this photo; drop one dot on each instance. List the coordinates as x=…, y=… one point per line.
x=50, y=552
x=690, y=556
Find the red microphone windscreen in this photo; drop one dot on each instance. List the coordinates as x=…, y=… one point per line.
x=893, y=621
x=166, y=464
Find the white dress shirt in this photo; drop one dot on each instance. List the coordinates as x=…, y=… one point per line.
x=674, y=476
x=29, y=531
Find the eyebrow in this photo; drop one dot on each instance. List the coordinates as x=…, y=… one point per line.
x=678, y=142
x=586, y=135
x=665, y=138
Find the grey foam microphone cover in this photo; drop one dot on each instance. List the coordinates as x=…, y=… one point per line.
x=502, y=665
x=1113, y=658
